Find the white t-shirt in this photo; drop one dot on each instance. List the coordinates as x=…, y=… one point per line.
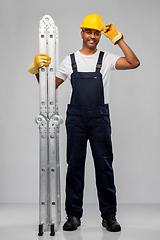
x=87, y=63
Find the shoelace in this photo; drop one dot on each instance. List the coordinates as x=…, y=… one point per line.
x=112, y=217
x=70, y=217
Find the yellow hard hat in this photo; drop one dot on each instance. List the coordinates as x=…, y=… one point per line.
x=92, y=21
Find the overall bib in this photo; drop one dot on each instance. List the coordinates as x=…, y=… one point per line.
x=88, y=119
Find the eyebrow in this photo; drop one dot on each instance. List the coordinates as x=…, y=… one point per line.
x=88, y=29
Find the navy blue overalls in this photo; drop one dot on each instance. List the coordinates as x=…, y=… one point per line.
x=88, y=119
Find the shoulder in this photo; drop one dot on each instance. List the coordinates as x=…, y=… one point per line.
x=109, y=61
x=110, y=57
x=67, y=59
x=65, y=62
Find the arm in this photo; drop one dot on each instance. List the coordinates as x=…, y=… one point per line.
x=58, y=80
x=39, y=61
x=37, y=76
x=130, y=61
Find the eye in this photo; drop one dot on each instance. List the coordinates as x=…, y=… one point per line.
x=88, y=32
x=97, y=33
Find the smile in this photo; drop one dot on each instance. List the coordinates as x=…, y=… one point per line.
x=91, y=41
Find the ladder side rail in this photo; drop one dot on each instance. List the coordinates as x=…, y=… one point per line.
x=42, y=171
x=52, y=67
x=57, y=139
x=57, y=64
x=43, y=70
x=58, y=209
x=43, y=131
x=51, y=34
x=52, y=174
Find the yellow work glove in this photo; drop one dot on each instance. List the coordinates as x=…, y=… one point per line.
x=40, y=60
x=111, y=32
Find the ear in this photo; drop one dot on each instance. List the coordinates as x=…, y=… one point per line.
x=82, y=34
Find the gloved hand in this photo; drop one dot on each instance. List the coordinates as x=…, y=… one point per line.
x=40, y=60
x=111, y=32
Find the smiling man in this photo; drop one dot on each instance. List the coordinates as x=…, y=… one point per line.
x=88, y=117
x=90, y=38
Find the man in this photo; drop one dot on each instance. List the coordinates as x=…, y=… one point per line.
x=88, y=117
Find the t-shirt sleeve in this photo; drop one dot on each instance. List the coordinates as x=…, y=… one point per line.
x=112, y=59
x=64, y=70
x=116, y=57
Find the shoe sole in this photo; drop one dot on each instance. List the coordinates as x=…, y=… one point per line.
x=110, y=229
x=71, y=227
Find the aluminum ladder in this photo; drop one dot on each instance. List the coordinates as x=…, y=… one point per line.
x=49, y=123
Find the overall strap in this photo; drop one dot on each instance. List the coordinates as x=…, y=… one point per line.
x=99, y=63
x=73, y=62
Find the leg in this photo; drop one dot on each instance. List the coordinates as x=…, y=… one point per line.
x=76, y=154
x=101, y=145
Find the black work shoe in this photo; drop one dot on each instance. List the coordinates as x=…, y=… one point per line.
x=72, y=223
x=111, y=224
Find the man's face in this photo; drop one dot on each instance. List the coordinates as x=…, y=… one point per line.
x=90, y=37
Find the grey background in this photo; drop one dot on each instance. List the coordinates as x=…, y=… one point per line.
x=134, y=96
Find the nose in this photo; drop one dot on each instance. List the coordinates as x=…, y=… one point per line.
x=92, y=35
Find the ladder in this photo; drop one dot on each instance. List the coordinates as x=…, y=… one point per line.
x=49, y=123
